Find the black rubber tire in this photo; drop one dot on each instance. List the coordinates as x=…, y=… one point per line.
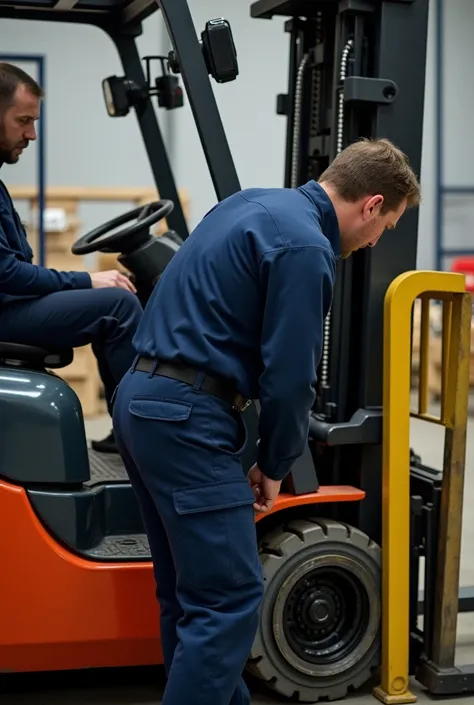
x=288, y=554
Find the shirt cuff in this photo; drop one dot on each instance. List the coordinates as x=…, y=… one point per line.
x=273, y=470
x=83, y=280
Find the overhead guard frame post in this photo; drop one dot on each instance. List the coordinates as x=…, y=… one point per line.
x=195, y=75
x=398, y=305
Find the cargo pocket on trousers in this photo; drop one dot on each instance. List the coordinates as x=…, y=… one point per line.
x=156, y=409
x=216, y=542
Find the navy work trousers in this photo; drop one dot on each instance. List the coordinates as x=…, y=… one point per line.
x=182, y=450
x=106, y=318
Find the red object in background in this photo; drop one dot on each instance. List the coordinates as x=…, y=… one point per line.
x=465, y=265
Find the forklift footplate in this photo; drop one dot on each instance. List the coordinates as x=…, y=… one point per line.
x=105, y=467
x=100, y=520
x=130, y=547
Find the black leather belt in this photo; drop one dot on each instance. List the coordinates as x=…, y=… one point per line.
x=219, y=387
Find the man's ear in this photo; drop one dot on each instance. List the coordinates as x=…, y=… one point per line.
x=373, y=206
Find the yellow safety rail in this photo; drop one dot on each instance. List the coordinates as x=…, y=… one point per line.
x=457, y=306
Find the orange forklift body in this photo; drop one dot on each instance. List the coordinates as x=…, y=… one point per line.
x=59, y=611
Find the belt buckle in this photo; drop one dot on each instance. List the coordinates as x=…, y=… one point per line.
x=241, y=403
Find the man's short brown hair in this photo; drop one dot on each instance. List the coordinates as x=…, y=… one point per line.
x=10, y=78
x=373, y=166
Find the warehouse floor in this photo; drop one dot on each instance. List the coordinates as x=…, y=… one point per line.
x=145, y=687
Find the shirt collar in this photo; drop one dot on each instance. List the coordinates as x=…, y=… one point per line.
x=327, y=214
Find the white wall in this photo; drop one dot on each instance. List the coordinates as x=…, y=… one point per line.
x=458, y=117
x=426, y=223
x=458, y=152
x=110, y=152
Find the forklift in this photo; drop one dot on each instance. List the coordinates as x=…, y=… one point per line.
x=77, y=588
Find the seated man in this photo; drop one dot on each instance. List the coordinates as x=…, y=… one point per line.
x=43, y=307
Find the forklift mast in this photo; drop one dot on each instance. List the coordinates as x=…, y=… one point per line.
x=349, y=78
x=356, y=69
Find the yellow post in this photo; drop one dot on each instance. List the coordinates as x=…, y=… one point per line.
x=396, y=474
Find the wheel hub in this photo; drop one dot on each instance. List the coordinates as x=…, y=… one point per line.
x=316, y=609
x=325, y=613
x=321, y=610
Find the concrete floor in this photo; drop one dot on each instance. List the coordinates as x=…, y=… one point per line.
x=146, y=687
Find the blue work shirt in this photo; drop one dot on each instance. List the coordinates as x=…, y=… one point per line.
x=19, y=278
x=245, y=298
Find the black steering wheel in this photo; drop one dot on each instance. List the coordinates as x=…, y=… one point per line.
x=127, y=239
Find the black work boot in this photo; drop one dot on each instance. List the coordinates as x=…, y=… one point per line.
x=106, y=445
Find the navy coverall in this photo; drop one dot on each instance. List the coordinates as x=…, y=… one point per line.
x=46, y=308
x=244, y=298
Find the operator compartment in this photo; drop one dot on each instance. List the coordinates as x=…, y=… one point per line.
x=83, y=498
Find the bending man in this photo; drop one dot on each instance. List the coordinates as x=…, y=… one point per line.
x=238, y=314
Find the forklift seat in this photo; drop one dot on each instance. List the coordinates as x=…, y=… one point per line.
x=29, y=356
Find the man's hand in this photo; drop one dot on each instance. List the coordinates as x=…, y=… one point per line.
x=265, y=490
x=112, y=278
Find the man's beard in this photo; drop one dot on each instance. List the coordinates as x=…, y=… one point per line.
x=8, y=155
